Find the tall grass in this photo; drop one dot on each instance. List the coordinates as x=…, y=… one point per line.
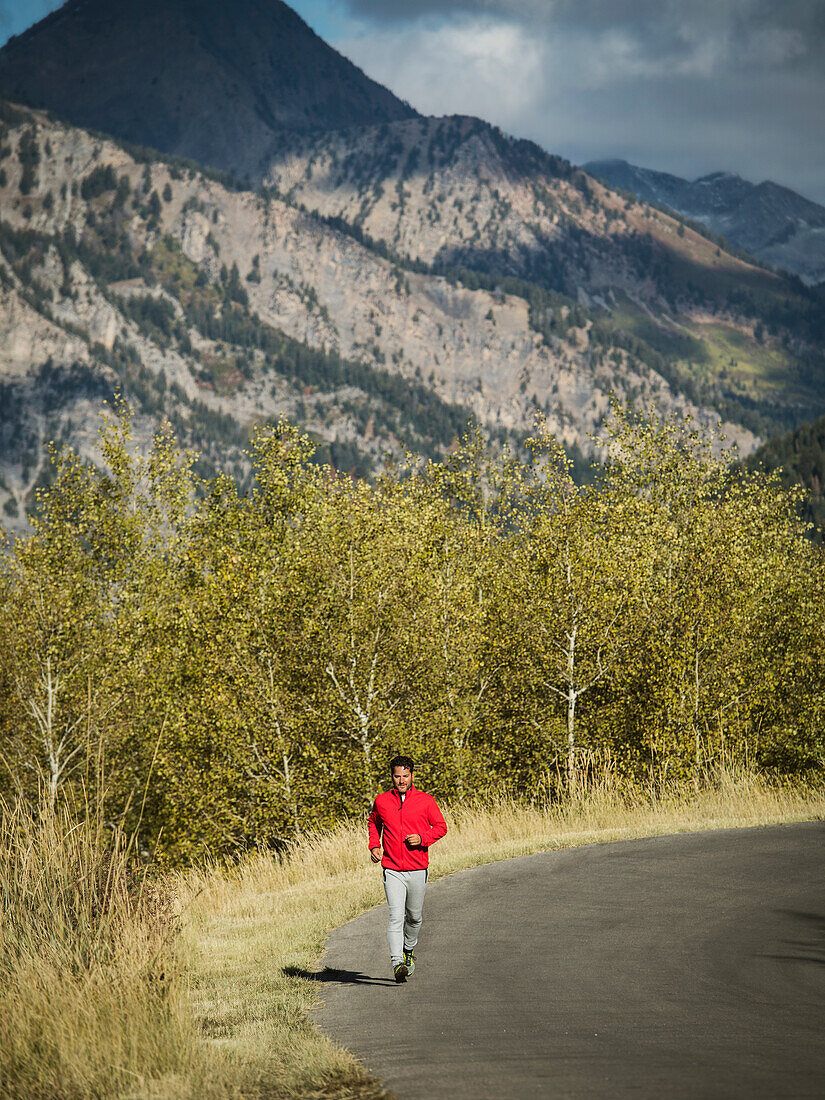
x=91, y=999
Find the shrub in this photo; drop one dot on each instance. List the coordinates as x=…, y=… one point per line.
x=101, y=179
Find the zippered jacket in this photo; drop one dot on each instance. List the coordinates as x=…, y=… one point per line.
x=391, y=820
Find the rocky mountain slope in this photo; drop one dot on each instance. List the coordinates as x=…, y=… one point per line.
x=771, y=222
x=456, y=196
x=231, y=85
x=204, y=79
x=218, y=309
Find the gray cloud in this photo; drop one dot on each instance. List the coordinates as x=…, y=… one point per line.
x=743, y=31
x=682, y=85
x=653, y=17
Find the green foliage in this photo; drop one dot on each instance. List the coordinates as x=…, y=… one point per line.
x=28, y=153
x=104, y=249
x=799, y=459
x=100, y=180
x=153, y=209
x=153, y=314
x=234, y=290
x=251, y=659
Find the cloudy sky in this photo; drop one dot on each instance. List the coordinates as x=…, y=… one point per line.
x=686, y=86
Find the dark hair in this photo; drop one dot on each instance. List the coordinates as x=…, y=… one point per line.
x=401, y=762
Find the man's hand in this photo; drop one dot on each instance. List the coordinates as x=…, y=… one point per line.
x=414, y=839
x=375, y=855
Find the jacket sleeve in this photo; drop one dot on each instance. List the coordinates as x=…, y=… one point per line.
x=375, y=826
x=437, y=827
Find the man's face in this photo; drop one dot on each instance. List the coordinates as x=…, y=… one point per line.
x=402, y=779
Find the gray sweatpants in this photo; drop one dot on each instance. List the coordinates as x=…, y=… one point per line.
x=405, y=897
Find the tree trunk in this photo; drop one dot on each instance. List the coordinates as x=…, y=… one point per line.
x=366, y=749
x=697, y=747
x=572, y=766
x=293, y=806
x=572, y=696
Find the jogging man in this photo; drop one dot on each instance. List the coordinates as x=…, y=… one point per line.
x=406, y=822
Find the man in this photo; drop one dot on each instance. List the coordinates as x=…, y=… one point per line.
x=406, y=822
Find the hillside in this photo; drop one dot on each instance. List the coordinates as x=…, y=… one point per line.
x=485, y=272
x=217, y=309
x=391, y=277
x=387, y=284
x=196, y=78
x=455, y=193
x=771, y=222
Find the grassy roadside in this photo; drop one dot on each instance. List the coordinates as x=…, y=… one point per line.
x=92, y=1001
x=251, y=932
x=198, y=986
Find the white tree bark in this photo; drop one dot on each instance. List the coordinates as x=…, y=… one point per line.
x=361, y=704
x=284, y=773
x=56, y=744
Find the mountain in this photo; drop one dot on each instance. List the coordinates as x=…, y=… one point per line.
x=218, y=309
x=202, y=79
x=385, y=281
x=456, y=196
x=770, y=222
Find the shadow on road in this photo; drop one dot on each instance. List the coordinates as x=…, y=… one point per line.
x=338, y=977
x=810, y=949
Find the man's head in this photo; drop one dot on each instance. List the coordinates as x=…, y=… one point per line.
x=401, y=770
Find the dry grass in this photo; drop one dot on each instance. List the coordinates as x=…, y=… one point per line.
x=252, y=930
x=91, y=1004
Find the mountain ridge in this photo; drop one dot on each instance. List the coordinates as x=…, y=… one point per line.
x=383, y=283
x=192, y=78
x=457, y=193
x=771, y=222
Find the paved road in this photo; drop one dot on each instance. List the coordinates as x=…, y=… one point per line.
x=684, y=966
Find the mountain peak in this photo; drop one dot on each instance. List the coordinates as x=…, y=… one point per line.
x=196, y=78
x=718, y=177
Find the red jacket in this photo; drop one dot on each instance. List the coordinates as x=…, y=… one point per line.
x=391, y=820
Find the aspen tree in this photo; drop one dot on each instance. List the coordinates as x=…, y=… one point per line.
x=584, y=563
x=247, y=660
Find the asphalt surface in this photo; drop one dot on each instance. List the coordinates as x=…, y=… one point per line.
x=681, y=966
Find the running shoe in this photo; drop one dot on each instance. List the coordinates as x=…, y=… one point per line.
x=400, y=970
x=409, y=961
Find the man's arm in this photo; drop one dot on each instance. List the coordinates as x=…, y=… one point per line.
x=375, y=827
x=437, y=827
